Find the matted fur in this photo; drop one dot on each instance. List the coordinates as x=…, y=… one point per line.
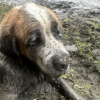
x=30, y=52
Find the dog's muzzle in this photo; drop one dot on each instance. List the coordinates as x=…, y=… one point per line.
x=61, y=62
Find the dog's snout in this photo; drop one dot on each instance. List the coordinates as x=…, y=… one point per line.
x=61, y=62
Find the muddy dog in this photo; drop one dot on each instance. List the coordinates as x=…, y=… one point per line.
x=30, y=53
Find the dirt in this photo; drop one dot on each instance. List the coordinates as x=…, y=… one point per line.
x=82, y=39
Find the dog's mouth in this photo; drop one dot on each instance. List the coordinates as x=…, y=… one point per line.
x=57, y=71
x=60, y=67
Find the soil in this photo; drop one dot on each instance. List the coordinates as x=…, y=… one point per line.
x=82, y=39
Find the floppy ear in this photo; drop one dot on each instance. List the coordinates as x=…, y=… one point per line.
x=8, y=43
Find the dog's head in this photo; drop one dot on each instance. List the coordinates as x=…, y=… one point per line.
x=33, y=31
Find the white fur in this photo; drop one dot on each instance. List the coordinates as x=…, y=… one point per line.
x=39, y=13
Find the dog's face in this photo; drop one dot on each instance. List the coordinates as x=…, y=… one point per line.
x=36, y=30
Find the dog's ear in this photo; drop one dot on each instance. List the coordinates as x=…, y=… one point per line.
x=8, y=42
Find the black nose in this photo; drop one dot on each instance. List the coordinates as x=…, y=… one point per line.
x=61, y=62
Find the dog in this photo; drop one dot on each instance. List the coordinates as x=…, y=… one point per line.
x=30, y=51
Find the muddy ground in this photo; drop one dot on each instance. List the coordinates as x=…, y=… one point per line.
x=82, y=38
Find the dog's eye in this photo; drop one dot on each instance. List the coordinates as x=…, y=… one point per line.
x=57, y=32
x=34, y=39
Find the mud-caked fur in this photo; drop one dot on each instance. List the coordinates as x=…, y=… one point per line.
x=31, y=54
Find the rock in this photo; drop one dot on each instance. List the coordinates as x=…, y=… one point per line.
x=71, y=48
x=96, y=52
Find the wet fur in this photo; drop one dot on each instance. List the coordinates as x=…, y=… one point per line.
x=22, y=76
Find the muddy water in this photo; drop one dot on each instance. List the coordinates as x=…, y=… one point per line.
x=81, y=3
x=84, y=3
x=76, y=3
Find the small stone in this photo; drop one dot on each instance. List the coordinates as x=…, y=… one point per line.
x=71, y=48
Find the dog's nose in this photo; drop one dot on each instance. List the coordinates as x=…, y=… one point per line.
x=61, y=62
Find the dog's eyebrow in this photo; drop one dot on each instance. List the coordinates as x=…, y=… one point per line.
x=35, y=31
